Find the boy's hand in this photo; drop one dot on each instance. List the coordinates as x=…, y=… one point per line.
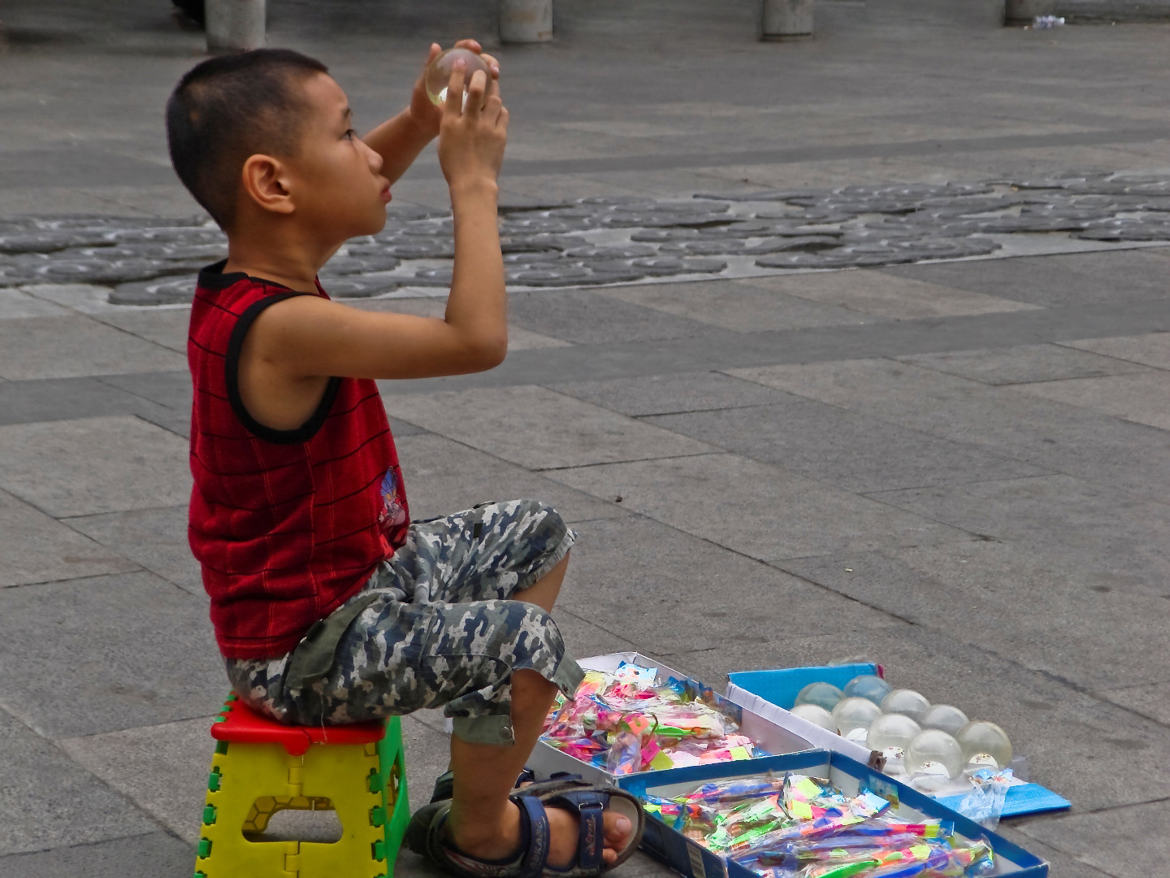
x=473, y=131
x=425, y=115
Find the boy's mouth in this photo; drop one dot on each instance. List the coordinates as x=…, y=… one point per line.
x=386, y=192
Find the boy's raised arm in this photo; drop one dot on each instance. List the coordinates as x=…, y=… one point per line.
x=306, y=336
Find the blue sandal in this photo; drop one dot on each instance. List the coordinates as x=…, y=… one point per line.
x=445, y=783
x=427, y=832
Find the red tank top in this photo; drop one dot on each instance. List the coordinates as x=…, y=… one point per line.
x=287, y=524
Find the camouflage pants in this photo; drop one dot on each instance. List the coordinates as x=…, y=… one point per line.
x=440, y=623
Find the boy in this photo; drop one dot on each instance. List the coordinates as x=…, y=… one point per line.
x=329, y=606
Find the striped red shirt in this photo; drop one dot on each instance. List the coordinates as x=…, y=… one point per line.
x=287, y=524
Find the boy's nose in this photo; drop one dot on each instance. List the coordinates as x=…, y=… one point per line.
x=373, y=157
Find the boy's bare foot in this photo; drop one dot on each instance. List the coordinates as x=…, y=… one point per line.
x=503, y=842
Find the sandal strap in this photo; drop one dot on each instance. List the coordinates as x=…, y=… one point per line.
x=590, y=808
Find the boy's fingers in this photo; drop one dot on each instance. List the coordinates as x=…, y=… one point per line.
x=493, y=64
x=473, y=45
x=475, y=93
x=454, y=104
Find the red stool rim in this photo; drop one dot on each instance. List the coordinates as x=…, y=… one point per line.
x=240, y=723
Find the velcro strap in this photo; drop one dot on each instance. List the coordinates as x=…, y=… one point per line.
x=533, y=817
x=590, y=805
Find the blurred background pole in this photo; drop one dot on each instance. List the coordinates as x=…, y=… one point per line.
x=526, y=21
x=780, y=19
x=235, y=25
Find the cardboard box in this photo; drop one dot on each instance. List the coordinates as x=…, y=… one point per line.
x=768, y=735
x=771, y=693
x=695, y=861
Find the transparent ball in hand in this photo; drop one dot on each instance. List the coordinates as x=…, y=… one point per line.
x=906, y=701
x=814, y=713
x=438, y=73
x=824, y=694
x=985, y=745
x=854, y=713
x=946, y=717
x=933, y=757
x=869, y=686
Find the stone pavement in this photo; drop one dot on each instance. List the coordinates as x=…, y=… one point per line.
x=956, y=468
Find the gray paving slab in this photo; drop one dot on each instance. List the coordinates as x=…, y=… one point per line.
x=36, y=548
x=852, y=451
x=1059, y=862
x=673, y=586
x=51, y=465
x=885, y=295
x=169, y=389
x=1048, y=434
x=1043, y=610
x=64, y=347
x=50, y=802
x=1152, y=349
x=1096, y=755
x=762, y=511
x=1152, y=701
x=132, y=760
x=537, y=428
x=53, y=399
x=1023, y=364
x=166, y=327
x=1083, y=278
x=152, y=855
x=1142, y=398
x=584, y=317
x=156, y=539
x=671, y=393
x=1080, y=521
x=444, y=476
x=15, y=304
x=736, y=305
x=1133, y=837
x=170, y=672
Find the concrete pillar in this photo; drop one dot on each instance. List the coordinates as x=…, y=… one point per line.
x=526, y=21
x=1024, y=11
x=235, y=25
x=781, y=19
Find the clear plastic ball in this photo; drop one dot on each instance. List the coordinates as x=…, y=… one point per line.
x=869, y=686
x=438, y=73
x=985, y=745
x=890, y=734
x=814, y=713
x=946, y=717
x=825, y=694
x=908, y=702
x=935, y=755
x=854, y=713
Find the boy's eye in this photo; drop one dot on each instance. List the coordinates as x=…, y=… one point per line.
x=350, y=134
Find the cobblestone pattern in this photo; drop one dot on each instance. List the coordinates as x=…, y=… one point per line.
x=595, y=241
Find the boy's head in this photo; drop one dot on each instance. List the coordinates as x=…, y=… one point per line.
x=268, y=104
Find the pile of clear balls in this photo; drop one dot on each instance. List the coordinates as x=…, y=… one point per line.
x=932, y=744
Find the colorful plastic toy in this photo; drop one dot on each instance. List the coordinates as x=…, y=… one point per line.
x=261, y=767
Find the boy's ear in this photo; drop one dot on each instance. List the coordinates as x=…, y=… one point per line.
x=265, y=181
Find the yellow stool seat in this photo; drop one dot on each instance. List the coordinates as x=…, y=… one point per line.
x=262, y=767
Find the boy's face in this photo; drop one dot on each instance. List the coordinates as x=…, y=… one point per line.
x=338, y=190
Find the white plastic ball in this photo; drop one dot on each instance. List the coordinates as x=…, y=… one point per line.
x=946, y=717
x=814, y=713
x=854, y=713
x=934, y=754
x=869, y=686
x=825, y=694
x=890, y=734
x=906, y=701
x=985, y=745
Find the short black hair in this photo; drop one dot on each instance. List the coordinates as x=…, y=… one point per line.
x=230, y=107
